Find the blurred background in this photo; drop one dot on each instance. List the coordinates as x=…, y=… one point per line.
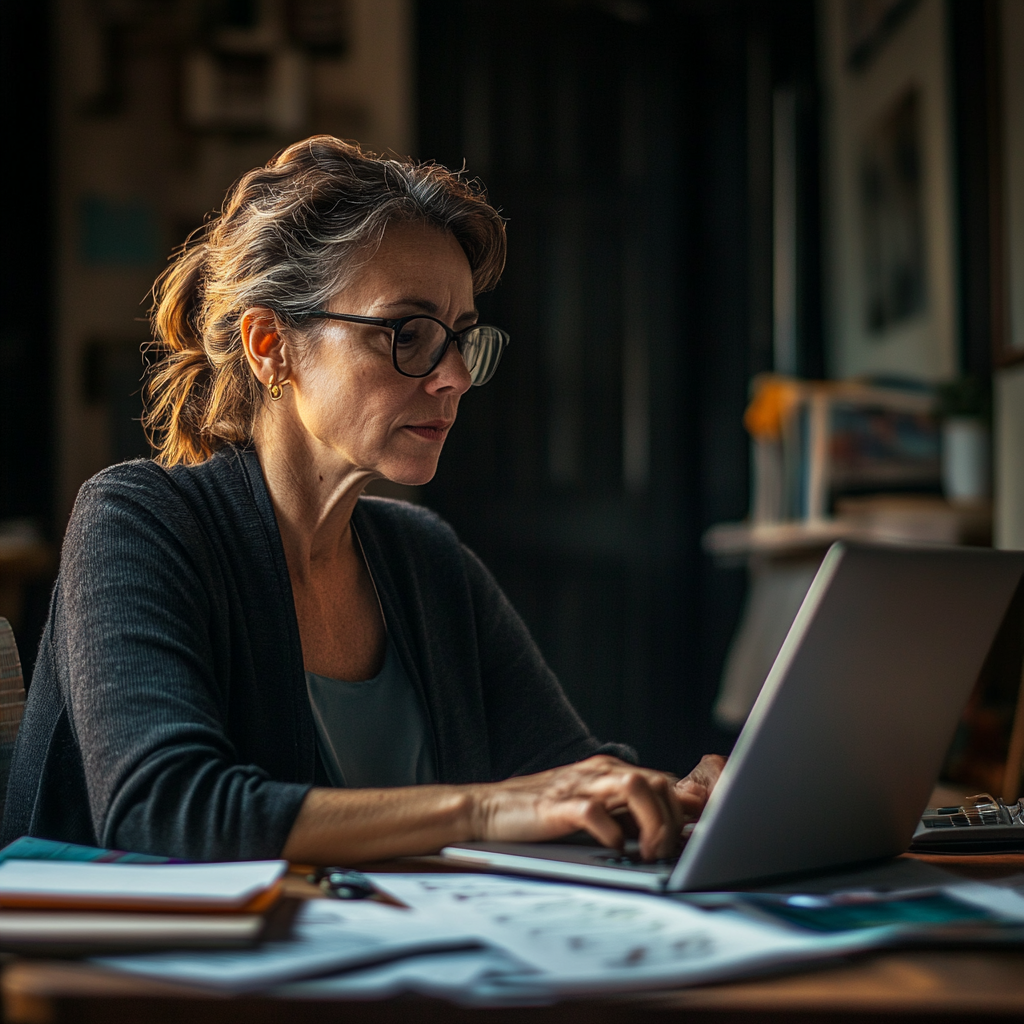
x=765, y=289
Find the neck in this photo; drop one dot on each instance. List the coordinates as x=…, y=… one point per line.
x=313, y=492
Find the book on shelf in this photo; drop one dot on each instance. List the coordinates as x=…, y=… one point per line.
x=816, y=440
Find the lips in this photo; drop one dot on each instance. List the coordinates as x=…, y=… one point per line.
x=434, y=430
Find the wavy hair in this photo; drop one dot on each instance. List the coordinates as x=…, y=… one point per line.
x=287, y=237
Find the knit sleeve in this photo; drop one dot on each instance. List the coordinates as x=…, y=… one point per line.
x=531, y=724
x=146, y=686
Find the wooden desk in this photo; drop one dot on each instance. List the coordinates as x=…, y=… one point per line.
x=918, y=986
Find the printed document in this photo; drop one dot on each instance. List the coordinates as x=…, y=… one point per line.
x=584, y=939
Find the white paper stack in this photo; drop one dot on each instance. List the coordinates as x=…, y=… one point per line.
x=59, y=907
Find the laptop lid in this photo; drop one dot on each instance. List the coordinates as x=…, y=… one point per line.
x=841, y=750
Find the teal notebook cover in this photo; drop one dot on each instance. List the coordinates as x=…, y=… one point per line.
x=30, y=848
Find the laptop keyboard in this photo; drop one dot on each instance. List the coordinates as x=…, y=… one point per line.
x=632, y=861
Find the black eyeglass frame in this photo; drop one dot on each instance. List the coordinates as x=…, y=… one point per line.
x=398, y=323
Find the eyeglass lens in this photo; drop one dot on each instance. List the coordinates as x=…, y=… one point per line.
x=420, y=344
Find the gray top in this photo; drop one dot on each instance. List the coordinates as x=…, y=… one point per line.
x=372, y=733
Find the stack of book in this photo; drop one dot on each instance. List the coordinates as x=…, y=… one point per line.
x=60, y=899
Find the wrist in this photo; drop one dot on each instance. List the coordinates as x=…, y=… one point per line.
x=474, y=812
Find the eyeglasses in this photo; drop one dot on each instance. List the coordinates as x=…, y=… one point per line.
x=418, y=343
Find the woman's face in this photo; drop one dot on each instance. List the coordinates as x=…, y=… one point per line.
x=357, y=409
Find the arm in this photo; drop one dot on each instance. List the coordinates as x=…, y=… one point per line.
x=352, y=826
x=147, y=688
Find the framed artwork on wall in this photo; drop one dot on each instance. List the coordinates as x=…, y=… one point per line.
x=892, y=296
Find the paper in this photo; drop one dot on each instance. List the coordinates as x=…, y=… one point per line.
x=586, y=939
x=216, y=886
x=491, y=940
x=329, y=936
x=462, y=976
x=1002, y=900
x=898, y=874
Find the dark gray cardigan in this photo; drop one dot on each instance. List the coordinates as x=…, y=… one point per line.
x=168, y=711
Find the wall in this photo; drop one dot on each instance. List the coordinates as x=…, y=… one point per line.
x=1009, y=382
x=1009, y=457
x=134, y=177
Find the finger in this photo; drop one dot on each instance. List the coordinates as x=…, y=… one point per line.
x=656, y=815
x=706, y=773
x=693, y=790
x=692, y=798
x=674, y=813
x=595, y=819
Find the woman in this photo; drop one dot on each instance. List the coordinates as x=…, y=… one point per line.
x=244, y=658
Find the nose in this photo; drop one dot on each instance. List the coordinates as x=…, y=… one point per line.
x=451, y=375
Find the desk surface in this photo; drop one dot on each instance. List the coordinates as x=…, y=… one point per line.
x=953, y=985
x=905, y=985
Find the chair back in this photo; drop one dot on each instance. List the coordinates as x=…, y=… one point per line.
x=12, y=703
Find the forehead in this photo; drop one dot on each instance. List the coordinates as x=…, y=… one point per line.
x=412, y=256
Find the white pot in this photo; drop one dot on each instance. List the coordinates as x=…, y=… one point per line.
x=966, y=474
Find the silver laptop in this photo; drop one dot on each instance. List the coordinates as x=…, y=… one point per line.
x=843, y=746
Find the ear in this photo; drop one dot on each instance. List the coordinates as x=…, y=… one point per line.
x=264, y=346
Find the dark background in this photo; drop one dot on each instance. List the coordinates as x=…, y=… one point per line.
x=618, y=143
x=27, y=406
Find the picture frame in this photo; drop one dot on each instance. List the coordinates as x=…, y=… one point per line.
x=1005, y=32
x=892, y=298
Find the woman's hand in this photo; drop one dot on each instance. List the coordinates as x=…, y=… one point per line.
x=693, y=791
x=587, y=795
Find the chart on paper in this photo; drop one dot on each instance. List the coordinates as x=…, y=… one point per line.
x=579, y=935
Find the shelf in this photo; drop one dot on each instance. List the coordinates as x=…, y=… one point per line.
x=889, y=519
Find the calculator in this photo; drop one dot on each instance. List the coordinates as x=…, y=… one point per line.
x=982, y=824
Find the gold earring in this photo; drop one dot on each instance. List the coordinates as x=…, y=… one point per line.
x=276, y=390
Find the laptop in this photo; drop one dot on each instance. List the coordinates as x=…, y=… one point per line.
x=843, y=746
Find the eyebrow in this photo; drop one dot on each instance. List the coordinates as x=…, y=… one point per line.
x=427, y=306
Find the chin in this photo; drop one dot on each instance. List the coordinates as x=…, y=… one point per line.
x=408, y=475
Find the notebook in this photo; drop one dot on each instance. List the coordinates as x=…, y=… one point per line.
x=247, y=886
